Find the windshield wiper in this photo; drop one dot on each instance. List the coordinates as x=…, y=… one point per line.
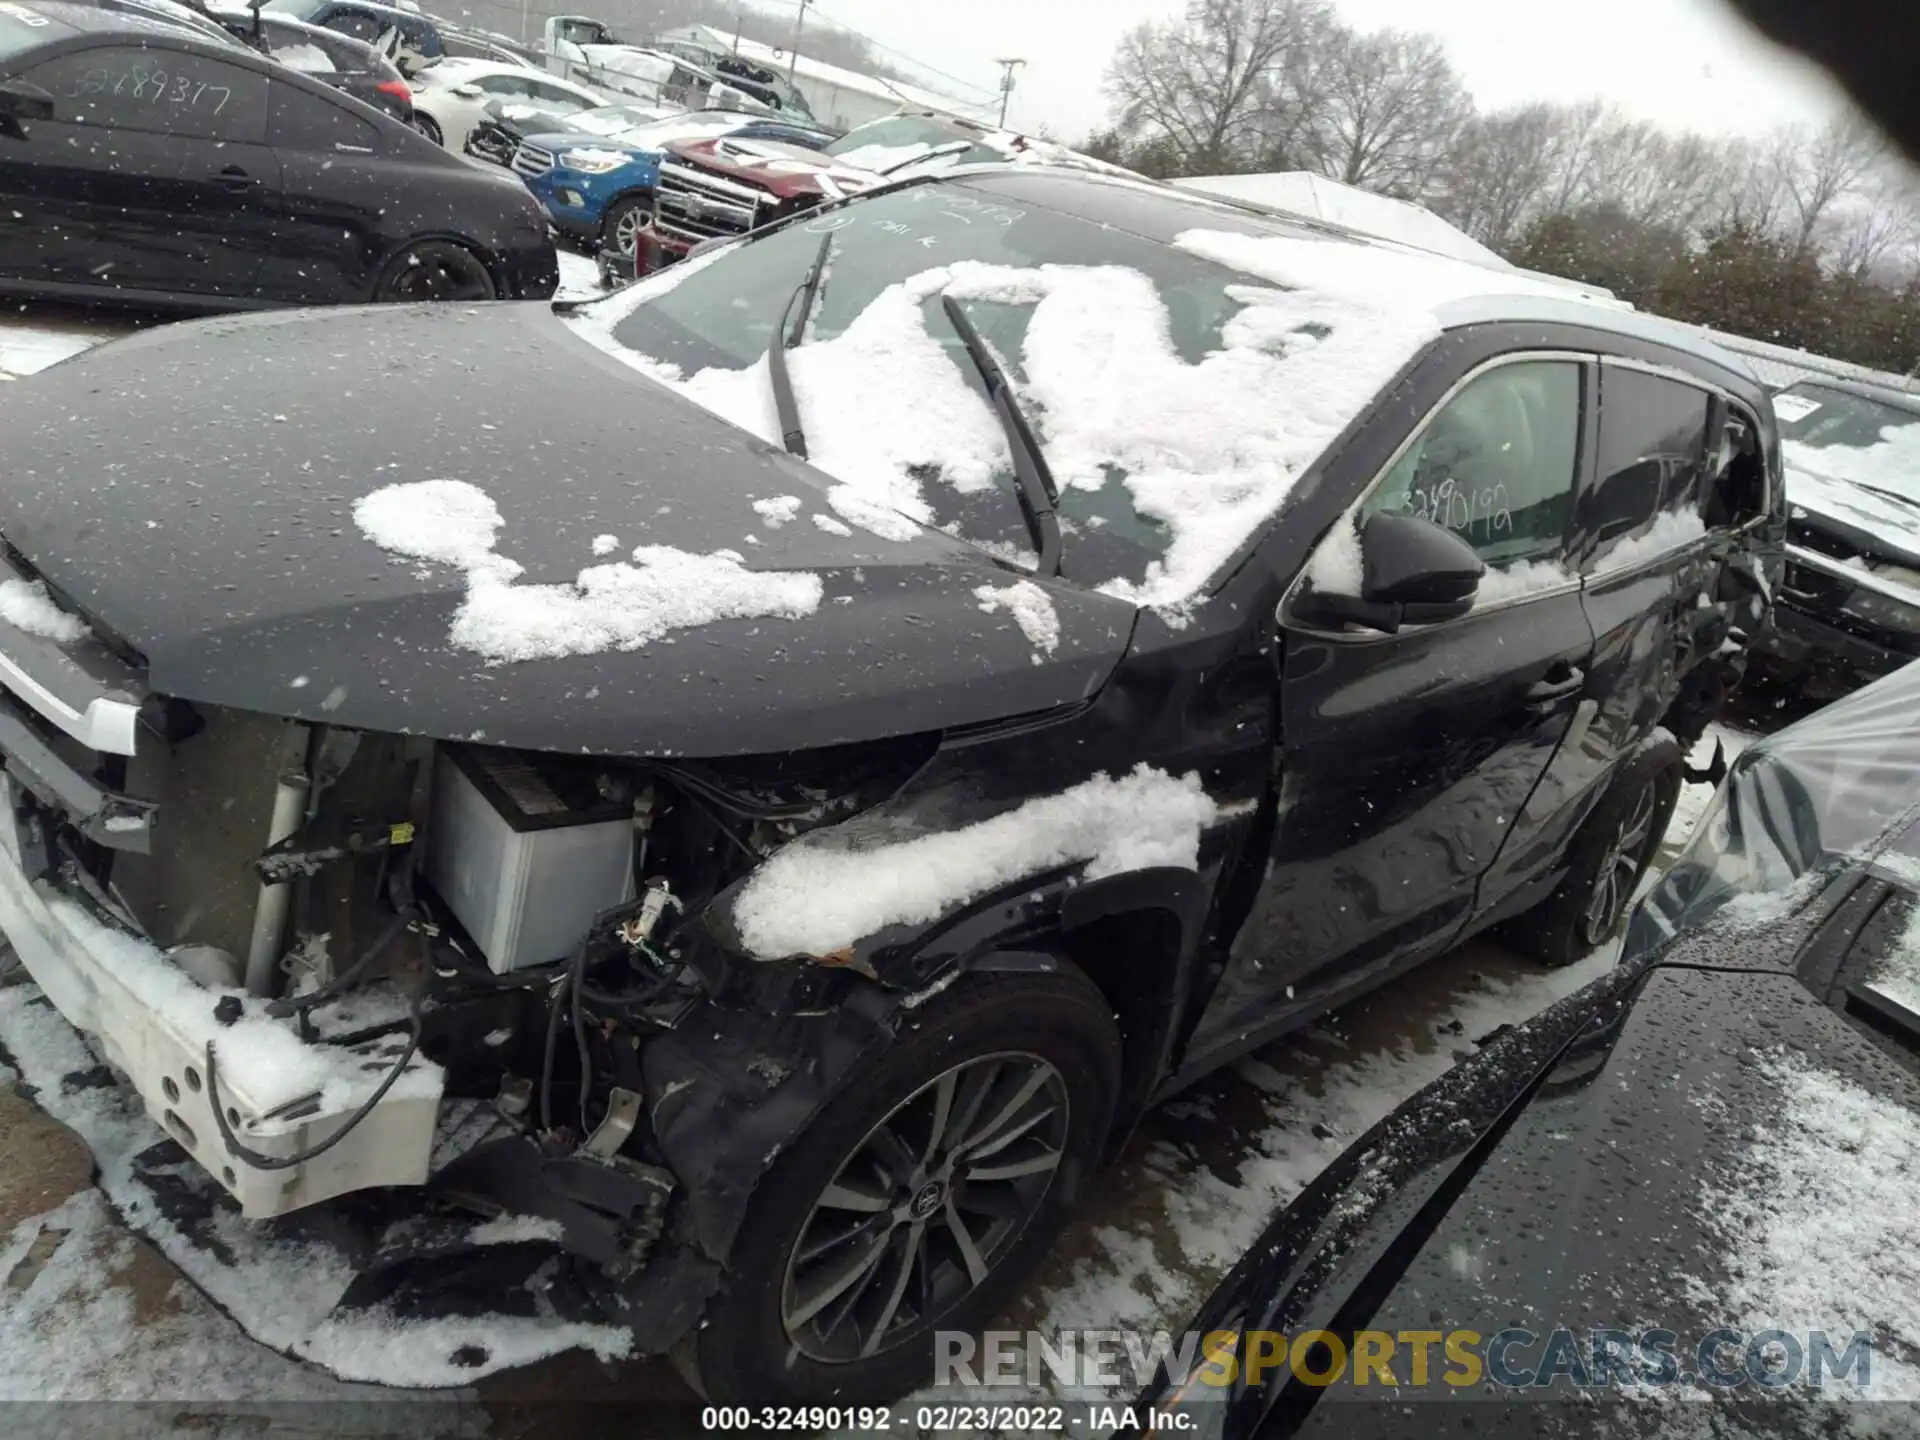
x=785, y=337
x=1037, y=493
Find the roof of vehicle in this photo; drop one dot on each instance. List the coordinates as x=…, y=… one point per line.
x=110, y=16
x=1879, y=394
x=1459, y=292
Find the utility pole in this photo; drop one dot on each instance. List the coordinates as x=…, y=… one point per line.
x=739, y=19
x=793, y=56
x=1007, y=68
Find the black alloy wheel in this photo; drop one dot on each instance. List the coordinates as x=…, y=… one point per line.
x=925, y=1206
x=435, y=270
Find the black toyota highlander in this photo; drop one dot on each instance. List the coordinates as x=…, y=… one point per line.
x=766, y=775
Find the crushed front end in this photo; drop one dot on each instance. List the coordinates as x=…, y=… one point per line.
x=439, y=983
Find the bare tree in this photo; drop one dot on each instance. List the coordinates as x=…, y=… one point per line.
x=1492, y=180
x=1820, y=169
x=1389, y=105
x=1203, y=84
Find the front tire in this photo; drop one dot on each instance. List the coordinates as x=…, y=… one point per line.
x=624, y=223
x=1606, y=861
x=918, y=1198
x=434, y=270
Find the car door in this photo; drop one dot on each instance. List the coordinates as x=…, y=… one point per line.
x=342, y=196
x=1403, y=759
x=154, y=174
x=1651, y=559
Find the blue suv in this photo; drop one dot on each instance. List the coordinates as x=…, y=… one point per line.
x=597, y=183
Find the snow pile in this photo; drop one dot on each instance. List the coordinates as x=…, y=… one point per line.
x=618, y=606
x=26, y=605
x=778, y=510
x=1031, y=608
x=1337, y=567
x=1669, y=531
x=831, y=525
x=873, y=516
x=1523, y=577
x=1818, y=1220
x=605, y=544
x=819, y=895
x=1891, y=463
x=310, y=59
x=516, y=1230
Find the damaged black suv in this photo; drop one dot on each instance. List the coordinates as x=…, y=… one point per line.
x=765, y=776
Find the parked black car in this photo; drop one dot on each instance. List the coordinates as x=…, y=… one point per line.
x=1714, y=1140
x=813, y=866
x=369, y=21
x=1850, y=605
x=246, y=184
x=327, y=55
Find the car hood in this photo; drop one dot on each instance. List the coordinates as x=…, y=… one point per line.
x=786, y=170
x=558, y=140
x=213, y=529
x=1611, y=1201
x=1870, y=521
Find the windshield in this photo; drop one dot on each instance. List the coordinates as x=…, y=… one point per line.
x=1157, y=381
x=886, y=143
x=653, y=134
x=613, y=119
x=1846, y=436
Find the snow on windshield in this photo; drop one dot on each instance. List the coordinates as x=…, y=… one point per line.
x=1891, y=463
x=1210, y=450
x=817, y=896
x=616, y=606
x=880, y=157
x=1817, y=1222
x=309, y=58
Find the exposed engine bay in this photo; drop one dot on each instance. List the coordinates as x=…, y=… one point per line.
x=354, y=962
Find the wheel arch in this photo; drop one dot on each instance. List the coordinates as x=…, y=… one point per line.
x=1134, y=936
x=496, y=268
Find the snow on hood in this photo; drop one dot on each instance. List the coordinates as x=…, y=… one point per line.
x=594, y=155
x=1210, y=450
x=1818, y=1222
x=617, y=606
x=26, y=604
x=820, y=894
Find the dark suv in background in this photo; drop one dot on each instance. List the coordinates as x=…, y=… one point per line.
x=1850, y=605
x=809, y=822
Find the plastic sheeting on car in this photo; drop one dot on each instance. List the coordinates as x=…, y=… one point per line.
x=1839, y=787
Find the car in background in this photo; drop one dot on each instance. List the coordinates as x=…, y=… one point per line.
x=252, y=184
x=407, y=36
x=504, y=123
x=1849, y=607
x=450, y=98
x=715, y=189
x=599, y=188
x=1718, y=1132
x=328, y=56
x=767, y=87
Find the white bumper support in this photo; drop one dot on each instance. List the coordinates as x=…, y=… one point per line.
x=161, y=1048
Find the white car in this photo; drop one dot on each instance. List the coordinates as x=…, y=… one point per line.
x=450, y=98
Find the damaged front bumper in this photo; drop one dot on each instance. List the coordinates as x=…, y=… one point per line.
x=69, y=709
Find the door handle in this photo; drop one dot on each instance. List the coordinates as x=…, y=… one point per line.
x=1547, y=691
x=234, y=178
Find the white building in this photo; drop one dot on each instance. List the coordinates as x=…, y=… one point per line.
x=838, y=97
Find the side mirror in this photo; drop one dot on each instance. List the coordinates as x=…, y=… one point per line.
x=1412, y=572
x=24, y=100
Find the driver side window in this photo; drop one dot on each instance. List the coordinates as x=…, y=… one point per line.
x=1496, y=466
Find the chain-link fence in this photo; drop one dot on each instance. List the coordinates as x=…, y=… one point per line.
x=1777, y=365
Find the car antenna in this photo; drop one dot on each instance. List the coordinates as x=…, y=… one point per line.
x=1037, y=492
x=785, y=337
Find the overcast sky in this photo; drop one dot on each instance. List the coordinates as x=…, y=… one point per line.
x=1686, y=63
